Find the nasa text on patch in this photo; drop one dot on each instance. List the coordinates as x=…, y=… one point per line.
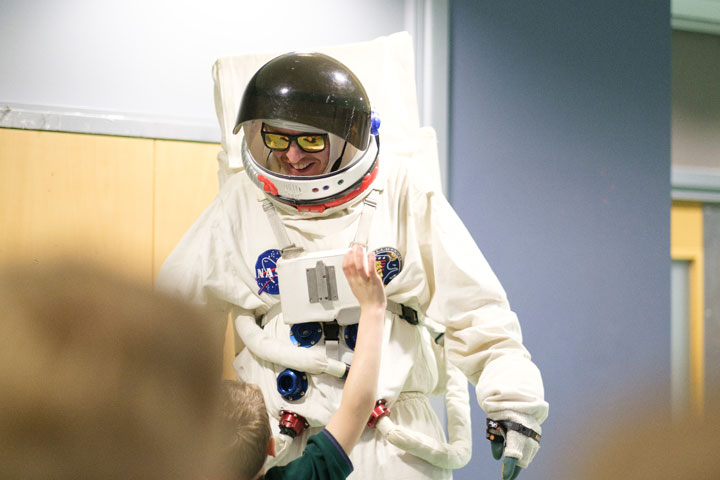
x=266, y=272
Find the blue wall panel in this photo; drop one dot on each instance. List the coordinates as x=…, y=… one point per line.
x=560, y=168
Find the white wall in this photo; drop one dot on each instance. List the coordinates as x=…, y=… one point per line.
x=142, y=67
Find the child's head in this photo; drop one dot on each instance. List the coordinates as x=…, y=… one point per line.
x=248, y=435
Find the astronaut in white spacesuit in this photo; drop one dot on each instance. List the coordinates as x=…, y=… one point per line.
x=268, y=250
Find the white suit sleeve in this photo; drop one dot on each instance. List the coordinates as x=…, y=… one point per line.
x=483, y=336
x=203, y=266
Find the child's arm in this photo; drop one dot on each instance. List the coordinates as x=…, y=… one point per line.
x=358, y=399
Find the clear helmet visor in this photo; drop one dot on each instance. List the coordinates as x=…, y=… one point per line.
x=336, y=155
x=297, y=177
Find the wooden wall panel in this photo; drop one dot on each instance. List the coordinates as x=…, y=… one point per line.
x=84, y=196
x=185, y=184
x=686, y=243
x=120, y=202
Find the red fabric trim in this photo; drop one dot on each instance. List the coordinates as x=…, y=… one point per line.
x=367, y=180
x=269, y=186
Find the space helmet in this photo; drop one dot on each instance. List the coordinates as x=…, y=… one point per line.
x=312, y=102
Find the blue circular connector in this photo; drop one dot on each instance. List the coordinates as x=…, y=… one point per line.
x=350, y=335
x=291, y=384
x=374, y=122
x=306, y=334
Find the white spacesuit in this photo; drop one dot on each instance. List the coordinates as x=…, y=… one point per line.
x=267, y=250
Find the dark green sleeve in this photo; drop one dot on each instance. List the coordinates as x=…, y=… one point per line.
x=323, y=459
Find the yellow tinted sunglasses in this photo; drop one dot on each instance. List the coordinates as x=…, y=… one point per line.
x=308, y=142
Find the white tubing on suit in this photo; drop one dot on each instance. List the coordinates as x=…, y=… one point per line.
x=272, y=350
x=454, y=454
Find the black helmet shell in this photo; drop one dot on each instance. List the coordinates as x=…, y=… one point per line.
x=309, y=88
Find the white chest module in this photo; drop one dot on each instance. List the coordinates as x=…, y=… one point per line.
x=314, y=289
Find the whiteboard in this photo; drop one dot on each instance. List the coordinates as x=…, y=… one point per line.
x=143, y=67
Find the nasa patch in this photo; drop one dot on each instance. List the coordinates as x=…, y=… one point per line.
x=388, y=263
x=266, y=272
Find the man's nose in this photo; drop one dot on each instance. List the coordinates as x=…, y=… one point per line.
x=294, y=153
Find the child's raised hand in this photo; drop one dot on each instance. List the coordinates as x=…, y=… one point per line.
x=363, y=278
x=360, y=390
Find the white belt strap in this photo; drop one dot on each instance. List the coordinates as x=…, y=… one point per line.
x=277, y=226
x=363, y=230
x=332, y=345
x=406, y=313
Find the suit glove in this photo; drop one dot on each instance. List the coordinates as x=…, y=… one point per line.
x=509, y=436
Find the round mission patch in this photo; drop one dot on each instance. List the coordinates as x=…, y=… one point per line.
x=388, y=263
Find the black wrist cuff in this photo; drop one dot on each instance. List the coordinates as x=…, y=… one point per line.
x=499, y=428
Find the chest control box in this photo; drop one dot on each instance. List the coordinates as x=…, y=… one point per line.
x=313, y=288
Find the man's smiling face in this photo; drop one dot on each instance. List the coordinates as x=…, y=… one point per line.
x=297, y=162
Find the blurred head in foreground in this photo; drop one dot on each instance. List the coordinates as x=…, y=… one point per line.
x=101, y=378
x=646, y=442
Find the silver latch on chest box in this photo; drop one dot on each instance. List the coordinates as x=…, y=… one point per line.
x=321, y=283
